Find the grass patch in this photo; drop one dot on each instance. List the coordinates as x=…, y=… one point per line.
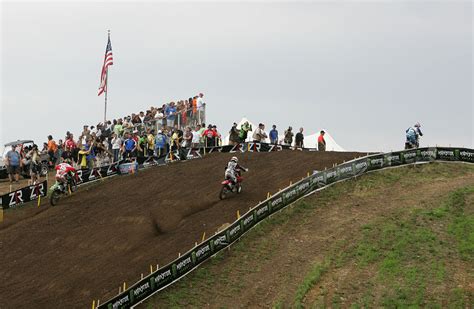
x=309, y=281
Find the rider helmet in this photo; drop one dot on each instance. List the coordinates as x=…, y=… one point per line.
x=235, y=159
x=417, y=125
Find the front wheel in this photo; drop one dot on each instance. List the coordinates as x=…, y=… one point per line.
x=54, y=199
x=223, y=193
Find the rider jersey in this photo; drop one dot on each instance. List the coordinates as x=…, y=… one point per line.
x=64, y=168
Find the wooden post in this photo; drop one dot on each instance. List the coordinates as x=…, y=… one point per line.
x=151, y=269
x=203, y=236
x=93, y=304
x=39, y=201
x=1, y=214
x=238, y=214
x=124, y=286
x=268, y=195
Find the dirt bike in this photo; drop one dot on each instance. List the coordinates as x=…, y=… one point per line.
x=59, y=188
x=412, y=145
x=229, y=187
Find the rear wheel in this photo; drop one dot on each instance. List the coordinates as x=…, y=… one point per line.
x=54, y=198
x=223, y=193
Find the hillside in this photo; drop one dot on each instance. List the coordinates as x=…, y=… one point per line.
x=396, y=238
x=110, y=232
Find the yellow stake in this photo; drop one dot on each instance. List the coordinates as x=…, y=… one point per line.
x=290, y=183
x=307, y=175
x=142, y=276
x=93, y=304
x=151, y=269
x=268, y=195
x=238, y=214
x=1, y=214
x=124, y=286
x=39, y=201
x=203, y=236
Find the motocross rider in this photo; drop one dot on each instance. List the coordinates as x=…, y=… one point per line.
x=412, y=134
x=63, y=172
x=233, y=170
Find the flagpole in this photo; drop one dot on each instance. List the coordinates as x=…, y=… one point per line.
x=106, y=85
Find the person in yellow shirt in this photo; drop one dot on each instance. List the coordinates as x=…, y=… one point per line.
x=150, y=143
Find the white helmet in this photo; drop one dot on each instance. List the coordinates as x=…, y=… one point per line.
x=235, y=159
x=417, y=125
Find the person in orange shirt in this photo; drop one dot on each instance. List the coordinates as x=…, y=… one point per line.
x=321, y=141
x=52, y=150
x=195, y=112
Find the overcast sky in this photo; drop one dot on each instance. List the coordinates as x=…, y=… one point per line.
x=365, y=71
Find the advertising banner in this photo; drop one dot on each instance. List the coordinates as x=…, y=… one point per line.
x=201, y=252
x=466, y=155
x=393, y=159
x=376, y=162
x=447, y=154
x=182, y=265
x=409, y=156
x=234, y=231
x=161, y=278
x=219, y=241
x=360, y=166
x=24, y=195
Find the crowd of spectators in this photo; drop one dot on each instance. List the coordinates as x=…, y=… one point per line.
x=152, y=133
x=144, y=134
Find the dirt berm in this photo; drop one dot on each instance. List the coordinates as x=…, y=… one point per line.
x=105, y=234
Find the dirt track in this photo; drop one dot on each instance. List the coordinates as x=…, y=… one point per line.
x=106, y=234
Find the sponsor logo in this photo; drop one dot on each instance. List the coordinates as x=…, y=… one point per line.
x=289, y=194
x=193, y=154
x=221, y=240
x=137, y=291
x=79, y=176
x=37, y=191
x=203, y=251
x=248, y=220
x=446, y=153
x=428, y=153
x=234, y=230
x=319, y=178
x=275, y=148
x=345, y=169
x=303, y=186
x=331, y=174
x=409, y=155
x=262, y=210
x=183, y=263
x=361, y=165
x=254, y=147
x=276, y=202
x=112, y=169
x=238, y=147
x=467, y=154
x=393, y=158
x=16, y=198
x=163, y=276
x=118, y=303
x=376, y=161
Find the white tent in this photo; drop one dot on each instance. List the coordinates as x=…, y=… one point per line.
x=311, y=141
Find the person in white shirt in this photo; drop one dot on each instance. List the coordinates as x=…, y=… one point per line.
x=259, y=135
x=196, y=137
x=116, y=146
x=200, y=107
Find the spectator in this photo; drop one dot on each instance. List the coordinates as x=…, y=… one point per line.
x=13, y=164
x=244, y=129
x=116, y=146
x=210, y=136
x=86, y=133
x=274, y=135
x=175, y=140
x=160, y=144
x=299, y=138
x=200, y=107
x=52, y=149
x=141, y=145
x=150, y=143
x=259, y=135
x=118, y=128
x=35, y=164
x=129, y=147
x=196, y=137
x=170, y=115
x=59, y=152
x=288, y=139
x=90, y=153
x=69, y=147
x=188, y=137
x=201, y=133
x=321, y=141
x=234, y=135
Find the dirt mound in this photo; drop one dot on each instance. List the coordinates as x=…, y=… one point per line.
x=110, y=233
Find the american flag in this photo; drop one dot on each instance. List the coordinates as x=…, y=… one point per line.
x=108, y=60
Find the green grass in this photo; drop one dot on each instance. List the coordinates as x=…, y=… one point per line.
x=408, y=250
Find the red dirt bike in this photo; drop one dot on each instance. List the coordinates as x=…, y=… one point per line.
x=228, y=187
